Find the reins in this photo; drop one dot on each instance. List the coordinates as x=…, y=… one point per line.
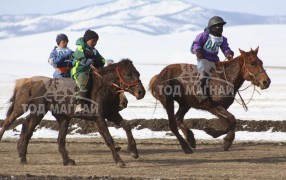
x=121, y=89
x=244, y=105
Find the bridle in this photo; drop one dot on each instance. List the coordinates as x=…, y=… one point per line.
x=129, y=85
x=244, y=105
x=256, y=75
x=122, y=82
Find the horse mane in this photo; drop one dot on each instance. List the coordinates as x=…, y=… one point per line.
x=222, y=63
x=111, y=67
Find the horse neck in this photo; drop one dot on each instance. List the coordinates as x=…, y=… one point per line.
x=109, y=74
x=234, y=72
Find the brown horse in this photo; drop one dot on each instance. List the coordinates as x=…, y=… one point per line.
x=179, y=82
x=42, y=94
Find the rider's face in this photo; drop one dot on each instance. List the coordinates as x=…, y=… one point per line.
x=217, y=30
x=92, y=42
x=63, y=43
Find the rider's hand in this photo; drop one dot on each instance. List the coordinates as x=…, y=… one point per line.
x=229, y=57
x=199, y=54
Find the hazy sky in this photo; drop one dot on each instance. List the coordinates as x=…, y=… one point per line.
x=260, y=7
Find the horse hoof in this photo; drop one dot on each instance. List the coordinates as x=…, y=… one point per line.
x=134, y=155
x=120, y=164
x=23, y=162
x=226, y=145
x=193, y=145
x=70, y=162
x=117, y=148
x=188, y=151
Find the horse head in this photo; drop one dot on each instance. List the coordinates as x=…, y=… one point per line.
x=253, y=69
x=129, y=78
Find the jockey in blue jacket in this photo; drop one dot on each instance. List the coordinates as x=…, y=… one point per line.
x=61, y=57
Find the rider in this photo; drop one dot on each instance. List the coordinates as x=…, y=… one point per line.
x=206, y=47
x=84, y=56
x=61, y=57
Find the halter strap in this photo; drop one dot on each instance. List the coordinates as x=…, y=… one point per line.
x=254, y=75
x=129, y=85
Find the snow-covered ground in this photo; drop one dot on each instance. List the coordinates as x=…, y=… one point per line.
x=27, y=56
x=267, y=136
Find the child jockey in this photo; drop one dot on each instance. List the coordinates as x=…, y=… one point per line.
x=206, y=47
x=84, y=56
x=61, y=57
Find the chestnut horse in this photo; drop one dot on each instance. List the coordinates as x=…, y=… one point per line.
x=179, y=82
x=41, y=94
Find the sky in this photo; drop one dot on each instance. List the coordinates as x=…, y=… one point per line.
x=259, y=7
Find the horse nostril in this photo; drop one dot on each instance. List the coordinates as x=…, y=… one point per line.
x=265, y=82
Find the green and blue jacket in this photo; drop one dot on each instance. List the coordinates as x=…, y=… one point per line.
x=85, y=56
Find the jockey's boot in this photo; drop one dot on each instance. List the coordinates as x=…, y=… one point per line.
x=203, y=92
x=80, y=103
x=79, y=107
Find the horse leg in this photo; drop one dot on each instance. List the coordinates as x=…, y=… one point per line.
x=17, y=112
x=169, y=106
x=23, y=143
x=189, y=135
x=23, y=131
x=63, y=130
x=228, y=123
x=118, y=120
x=104, y=132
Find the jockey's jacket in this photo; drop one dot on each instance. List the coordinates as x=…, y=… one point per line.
x=61, y=60
x=210, y=46
x=85, y=56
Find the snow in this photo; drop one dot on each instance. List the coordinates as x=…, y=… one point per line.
x=119, y=133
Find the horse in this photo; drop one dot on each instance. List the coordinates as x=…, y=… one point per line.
x=179, y=82
x=42, y=94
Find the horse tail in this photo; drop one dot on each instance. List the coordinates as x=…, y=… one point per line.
x=12, y=102
x=151, y=86
x=18, y=85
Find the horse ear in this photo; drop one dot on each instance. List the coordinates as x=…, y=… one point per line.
x=256, y=50
x=242, y=52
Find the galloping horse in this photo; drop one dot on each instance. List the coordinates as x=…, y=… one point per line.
x=178, y=82
x=42, y=94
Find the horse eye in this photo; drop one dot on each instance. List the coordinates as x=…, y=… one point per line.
x=253, y=63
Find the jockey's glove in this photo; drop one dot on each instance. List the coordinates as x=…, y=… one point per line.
x=199, y=54
x=229, y=57
x=97, y=63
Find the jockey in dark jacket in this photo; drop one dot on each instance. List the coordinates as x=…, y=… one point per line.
x=85, y=55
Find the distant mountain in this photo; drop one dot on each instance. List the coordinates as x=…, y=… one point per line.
x=155, y=17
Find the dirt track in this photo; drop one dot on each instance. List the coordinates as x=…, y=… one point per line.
x=159, y=158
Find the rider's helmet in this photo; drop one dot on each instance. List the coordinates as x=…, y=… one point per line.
x=215, y=26
x=216, y=20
